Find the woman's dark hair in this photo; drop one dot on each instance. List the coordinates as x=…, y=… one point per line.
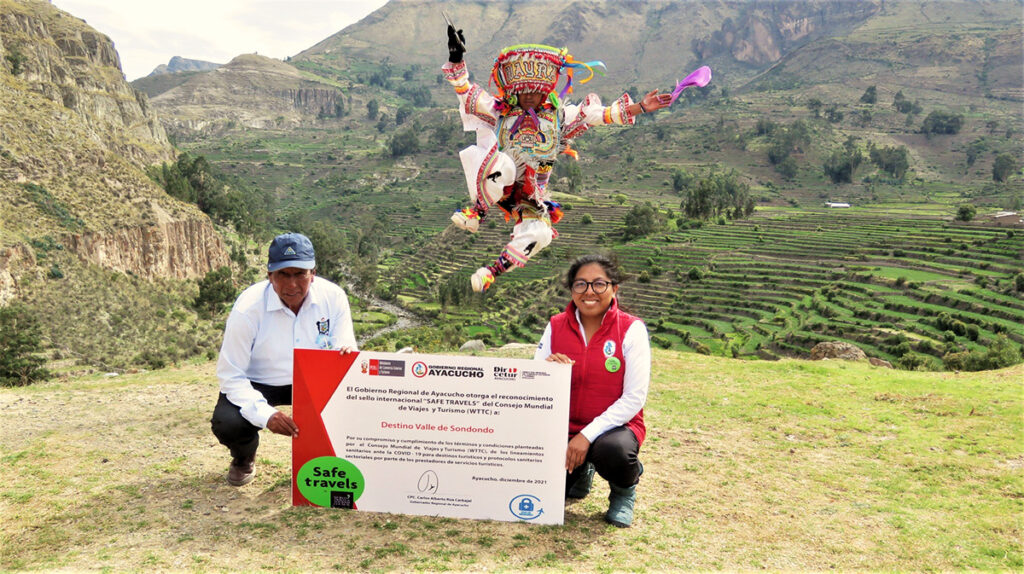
x=609, y=264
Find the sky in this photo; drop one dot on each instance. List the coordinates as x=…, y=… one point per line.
x=147, y=33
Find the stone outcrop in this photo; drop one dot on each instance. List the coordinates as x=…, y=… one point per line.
x=14, y=261
x=837, y=350
x=880, y=362
x=763, y=32
x=183, y=249
x=473, y=345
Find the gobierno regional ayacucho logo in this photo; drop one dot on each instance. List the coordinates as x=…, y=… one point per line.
x=419, y=369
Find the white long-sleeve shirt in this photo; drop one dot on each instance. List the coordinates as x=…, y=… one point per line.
x=636, y=354
x=261, y=333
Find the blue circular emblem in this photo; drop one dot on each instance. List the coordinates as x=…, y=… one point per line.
x=525, y=507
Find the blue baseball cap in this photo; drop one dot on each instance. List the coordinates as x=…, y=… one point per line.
x=291, y=250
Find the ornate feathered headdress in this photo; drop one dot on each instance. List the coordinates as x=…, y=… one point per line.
x=536, y=68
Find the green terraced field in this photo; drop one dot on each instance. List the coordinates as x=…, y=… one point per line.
x=879, y=274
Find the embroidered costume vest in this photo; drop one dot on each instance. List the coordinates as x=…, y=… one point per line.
x=529, y=143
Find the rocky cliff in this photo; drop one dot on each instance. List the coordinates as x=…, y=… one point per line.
x=75, y=140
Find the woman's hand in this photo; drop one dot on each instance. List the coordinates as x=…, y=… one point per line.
x=346, y=350
x=576, y=453
x=560, y=358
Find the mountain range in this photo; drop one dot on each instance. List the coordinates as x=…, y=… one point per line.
x=318, y=130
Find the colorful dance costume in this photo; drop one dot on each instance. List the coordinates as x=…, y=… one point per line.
x=515, y=149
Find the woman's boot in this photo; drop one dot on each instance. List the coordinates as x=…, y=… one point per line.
x=620, y=506
x=581, y=488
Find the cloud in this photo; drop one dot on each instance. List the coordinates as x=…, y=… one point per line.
x=148, y=33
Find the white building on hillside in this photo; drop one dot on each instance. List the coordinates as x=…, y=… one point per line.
x=836, y=204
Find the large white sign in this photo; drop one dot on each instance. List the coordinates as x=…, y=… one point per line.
x=458, y=436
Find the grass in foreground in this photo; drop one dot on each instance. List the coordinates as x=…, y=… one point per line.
x=749, y=465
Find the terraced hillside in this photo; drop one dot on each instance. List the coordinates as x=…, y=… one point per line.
x=896, y=273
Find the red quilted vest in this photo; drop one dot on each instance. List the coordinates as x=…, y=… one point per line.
x=593, y=388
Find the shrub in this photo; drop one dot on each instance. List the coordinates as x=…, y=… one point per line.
x=587, y=219
x=15, y=58
x=641, y=221
x=1002, y=353
x=787, y=168
x=20, y=344
x=215, y=289
x=870, y=95
x=912, y=361
x=966, y=212
x=404, y=143
x=940, y=122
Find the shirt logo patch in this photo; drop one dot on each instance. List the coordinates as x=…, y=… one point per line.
x=323, y=326
x=609, y=348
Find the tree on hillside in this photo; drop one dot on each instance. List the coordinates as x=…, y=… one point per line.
x=843, y=162
x=814, y=104
x=975, y=149
x=404, y=143
x=870, y=95
x=718, y=194
x=891, y=159
x=833, y=114
x=966, y=212
x=569, y=170
x=905, y=106
x=372, y=108
x=443, y=134
x=940, y=122
x=403, y=113
x=418, y=95
x=20, y=363
x=223, y=197
x=786, y=140
x=1003, y=167
x=455, y=292
x=682, y=180
x=641, y=221
x=215, y=290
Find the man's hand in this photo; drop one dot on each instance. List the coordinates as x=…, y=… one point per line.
x=456, y=45
x=654, y=101
x=576, y=453
x=346, y=350
x=281, y=423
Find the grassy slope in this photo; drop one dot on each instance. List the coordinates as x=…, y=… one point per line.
x=787, y=465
